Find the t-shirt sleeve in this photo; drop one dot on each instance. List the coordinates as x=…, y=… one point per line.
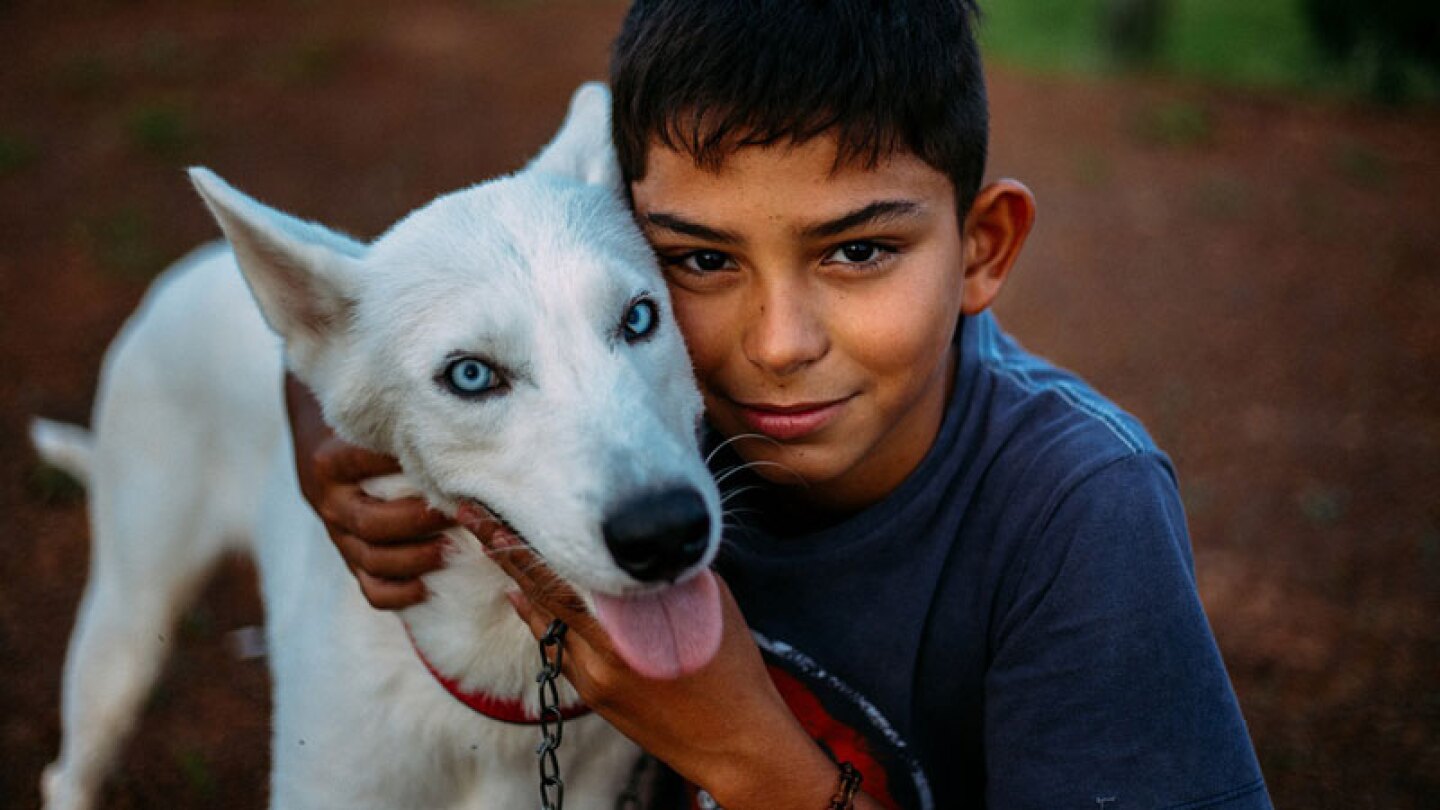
x=1106, y=689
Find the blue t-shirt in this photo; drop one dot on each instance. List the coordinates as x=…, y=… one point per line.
x=1017, y=624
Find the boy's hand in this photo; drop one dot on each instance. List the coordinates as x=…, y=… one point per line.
x=724, y=727
x=388, y=545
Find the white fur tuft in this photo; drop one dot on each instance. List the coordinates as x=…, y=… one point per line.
x=300, y=273
x=69, y=448
x=582, y=150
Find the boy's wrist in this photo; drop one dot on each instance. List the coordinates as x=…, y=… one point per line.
x=795, y=775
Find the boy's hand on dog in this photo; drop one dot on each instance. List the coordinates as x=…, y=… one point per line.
x=723, y=727
x=388, y=545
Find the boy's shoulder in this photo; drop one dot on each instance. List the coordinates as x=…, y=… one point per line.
x=1070, y=568
x=1038, y=414
x=1031, y=461
x=1031, y=433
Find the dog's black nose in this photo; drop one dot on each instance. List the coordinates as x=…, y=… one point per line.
x=656, y=536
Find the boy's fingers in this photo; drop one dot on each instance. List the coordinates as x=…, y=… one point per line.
x=490, y=530
x=386, y=594
x=395, y=562
x=507, y=551
x=538, y=618
x=338, y=460
x=377, y=521
x=540, y=586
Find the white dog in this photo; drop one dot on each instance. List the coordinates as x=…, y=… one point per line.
x=512, y=345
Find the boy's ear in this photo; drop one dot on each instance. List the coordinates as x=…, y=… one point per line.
x=301, y=274
x=582, y=149
x=995, y=231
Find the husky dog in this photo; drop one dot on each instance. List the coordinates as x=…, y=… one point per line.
x=511, y=344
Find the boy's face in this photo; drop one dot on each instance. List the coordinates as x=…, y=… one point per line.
x=818, y=305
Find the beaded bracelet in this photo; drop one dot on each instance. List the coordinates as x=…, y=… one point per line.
x=844, y=798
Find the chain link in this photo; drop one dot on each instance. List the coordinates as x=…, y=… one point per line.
x=552, y=729
x=552, y=722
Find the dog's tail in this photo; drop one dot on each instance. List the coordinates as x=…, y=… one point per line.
x=69, y=448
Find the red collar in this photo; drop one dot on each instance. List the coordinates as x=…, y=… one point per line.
x=506, y=710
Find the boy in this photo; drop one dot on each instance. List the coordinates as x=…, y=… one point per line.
x=969, y=574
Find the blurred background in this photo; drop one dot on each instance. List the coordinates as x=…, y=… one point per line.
x=1239, y=241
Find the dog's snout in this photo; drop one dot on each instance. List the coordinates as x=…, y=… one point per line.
x=657, y=536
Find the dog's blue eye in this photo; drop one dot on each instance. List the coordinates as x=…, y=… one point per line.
x=467, y=376
x=640, y=320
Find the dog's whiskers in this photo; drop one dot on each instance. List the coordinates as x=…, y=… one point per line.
x=733, y=518
x=724, y=499
x=733, y=439
x=750, y=465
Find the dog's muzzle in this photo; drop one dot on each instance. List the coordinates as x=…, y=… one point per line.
x=658, y=536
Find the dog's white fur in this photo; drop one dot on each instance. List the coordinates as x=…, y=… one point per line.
x=534, y=272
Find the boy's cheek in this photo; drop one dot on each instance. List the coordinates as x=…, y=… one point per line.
x=704, y=324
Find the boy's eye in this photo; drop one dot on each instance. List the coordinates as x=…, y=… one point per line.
x=856, y=253
x=706, y=261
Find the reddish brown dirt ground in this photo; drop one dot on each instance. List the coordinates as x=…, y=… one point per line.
x=1257, y=277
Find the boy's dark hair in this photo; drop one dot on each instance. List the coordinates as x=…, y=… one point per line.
x=706, y=77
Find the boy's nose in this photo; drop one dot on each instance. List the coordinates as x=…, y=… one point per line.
x=785, y=333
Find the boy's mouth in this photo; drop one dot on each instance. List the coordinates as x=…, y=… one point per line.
x=786, y=423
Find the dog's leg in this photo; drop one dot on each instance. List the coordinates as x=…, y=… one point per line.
x=187, y=417
x=144, y=570
x=114, y=658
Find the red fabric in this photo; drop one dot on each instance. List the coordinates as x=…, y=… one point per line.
x=845, y=744
x=506, y=710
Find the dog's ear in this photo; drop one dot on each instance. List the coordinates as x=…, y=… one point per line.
x=300, y=273
x=582, y=149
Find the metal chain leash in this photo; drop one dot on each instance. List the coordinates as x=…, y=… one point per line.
x=552, y=722
x=552, y=729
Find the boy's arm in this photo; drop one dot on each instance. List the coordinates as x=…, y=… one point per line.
x=724, y=728
x=1106, y=687
x=388, y=545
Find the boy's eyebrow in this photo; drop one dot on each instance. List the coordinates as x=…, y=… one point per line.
x=685, y=227
x=877, y=211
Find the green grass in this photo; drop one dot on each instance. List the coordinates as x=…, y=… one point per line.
x=162, y=55
x=1046, y=35
x=161, y=129
x=122, y=242
x=1259, y=42
x=1250, y=43
x=1362, y=166
x=196, y=770
x=53, y=486
x=1176, y=123
x=310, y=61
x=16, y=153
x=86, y=75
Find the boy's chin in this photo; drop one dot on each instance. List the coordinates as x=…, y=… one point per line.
x=810, y=469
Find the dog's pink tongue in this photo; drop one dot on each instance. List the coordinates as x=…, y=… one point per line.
x=666, y=634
